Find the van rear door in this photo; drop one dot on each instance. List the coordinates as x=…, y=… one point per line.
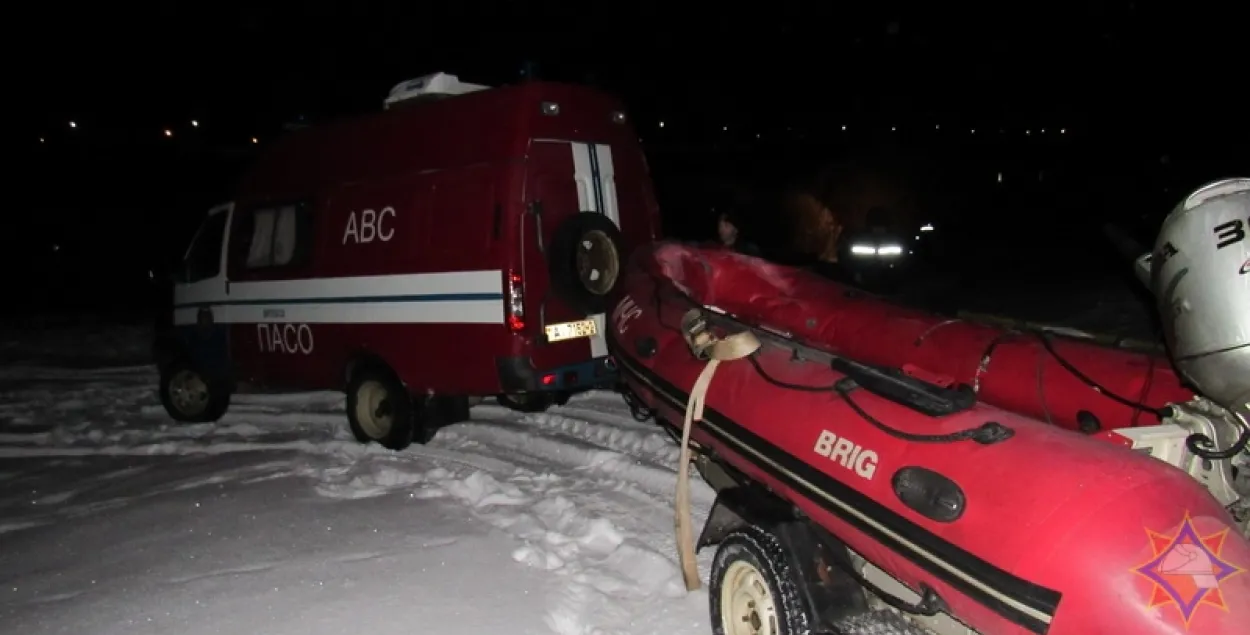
x=565, y=179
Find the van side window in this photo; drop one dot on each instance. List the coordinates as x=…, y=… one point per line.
x=261, y=251
x=276, y=236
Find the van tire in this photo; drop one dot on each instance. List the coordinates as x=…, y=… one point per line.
x=189, y=396
x=381, y=410
x=603, y=265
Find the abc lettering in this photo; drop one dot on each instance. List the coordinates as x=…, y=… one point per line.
x=368, y=225
x=847, y=453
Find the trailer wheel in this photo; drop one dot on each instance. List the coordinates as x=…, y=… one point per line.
x=586, y=260
x=191, y=397
x=753, y=589
x=380, y=409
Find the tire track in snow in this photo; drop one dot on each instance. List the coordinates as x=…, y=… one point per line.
x=589, y=501
x=585, y=489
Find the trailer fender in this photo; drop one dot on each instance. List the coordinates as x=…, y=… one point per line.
x=736, y=507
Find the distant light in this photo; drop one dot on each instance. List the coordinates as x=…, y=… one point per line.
x=73, y=124
x=917, y=236
x=255, y=140
x=870, y=250
x=974, y=131
x=151, y=275
x=1063, y=131
x=195, y=124
x=1043, y=131
x=661, y=124
x=42, y=140
x=725, y=128
x=169, y=133
x=56, y=248
x=893, y=128
x=937, y=126
x=927, y=227
x=1000, y=177
x=843, y=128
x=757, y=135
x=1028, y=132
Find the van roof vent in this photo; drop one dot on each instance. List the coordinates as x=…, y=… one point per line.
x=428, y=87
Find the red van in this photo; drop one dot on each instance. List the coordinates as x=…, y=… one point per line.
x=459, y=244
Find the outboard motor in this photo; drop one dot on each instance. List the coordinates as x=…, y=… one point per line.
x=1199, y=272
x=1200, y=275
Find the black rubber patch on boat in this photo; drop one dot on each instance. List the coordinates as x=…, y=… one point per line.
x=929, y=493
x=645, y=347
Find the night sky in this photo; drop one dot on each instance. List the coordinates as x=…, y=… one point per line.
x=1150, y=98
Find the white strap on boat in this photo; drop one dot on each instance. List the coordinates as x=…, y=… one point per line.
x=703, y=345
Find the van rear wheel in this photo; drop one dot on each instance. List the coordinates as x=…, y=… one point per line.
x=380, y=409
x=189, y=396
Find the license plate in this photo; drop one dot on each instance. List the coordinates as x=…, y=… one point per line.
x=571, y=330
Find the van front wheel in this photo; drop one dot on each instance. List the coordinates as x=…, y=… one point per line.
x=191, y=397
x=379, y=409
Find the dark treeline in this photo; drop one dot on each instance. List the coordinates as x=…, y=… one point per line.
x=102, y=221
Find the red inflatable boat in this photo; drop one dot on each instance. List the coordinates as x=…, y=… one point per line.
x=1072, y=383
x=849, y=457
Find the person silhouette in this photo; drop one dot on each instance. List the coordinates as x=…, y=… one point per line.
x=730, y=236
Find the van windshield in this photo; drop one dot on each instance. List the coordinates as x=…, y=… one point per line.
x=203, y=259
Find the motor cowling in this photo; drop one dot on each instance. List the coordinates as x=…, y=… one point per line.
x=1200, y=275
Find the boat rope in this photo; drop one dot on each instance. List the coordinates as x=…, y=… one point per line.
x=1098, y=388
x=705, y=346
x=987, y=433
x=637, y=409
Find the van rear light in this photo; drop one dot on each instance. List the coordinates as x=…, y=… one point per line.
x=516, y=302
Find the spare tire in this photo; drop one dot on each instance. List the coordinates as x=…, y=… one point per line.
x=585, y=261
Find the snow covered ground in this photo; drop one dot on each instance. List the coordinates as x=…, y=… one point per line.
x=115, y=519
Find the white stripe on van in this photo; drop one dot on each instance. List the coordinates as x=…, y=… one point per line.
x=459, y=297
x=607, y=183
x=584, y=178
x=595, y=176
